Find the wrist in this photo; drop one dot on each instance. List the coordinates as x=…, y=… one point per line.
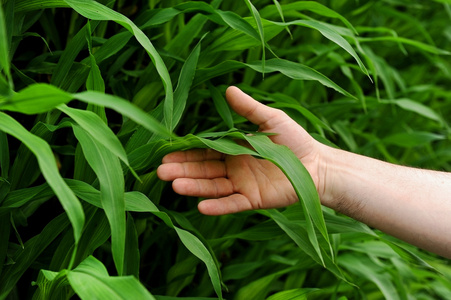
x=330, y=166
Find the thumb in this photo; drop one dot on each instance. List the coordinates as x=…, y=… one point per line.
x=246, y=106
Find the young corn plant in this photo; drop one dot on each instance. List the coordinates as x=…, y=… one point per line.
x=94, y=93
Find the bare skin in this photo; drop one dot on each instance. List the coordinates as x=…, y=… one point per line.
x=411, y=204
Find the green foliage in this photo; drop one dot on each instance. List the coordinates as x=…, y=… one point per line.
x=94, y=93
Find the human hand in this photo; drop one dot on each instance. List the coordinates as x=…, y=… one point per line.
x=238, y=183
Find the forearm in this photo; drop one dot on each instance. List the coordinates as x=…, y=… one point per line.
x=411, y=204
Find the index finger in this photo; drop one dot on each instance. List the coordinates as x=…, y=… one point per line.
x=193, y=155
x=248, y=107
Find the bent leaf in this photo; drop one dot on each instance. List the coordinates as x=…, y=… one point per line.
x=49, y=169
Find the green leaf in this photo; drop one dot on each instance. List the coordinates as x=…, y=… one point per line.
x=125, y=108
x=221, y=105
x=299, y=177
x=331, y=34
x=95, y=126
x=25, y=257
x=298, y=294
x=300, y=236
x=27, y=5
x=60, y=76
x=132, y=255
x=280, y=11
x=418, y=108
x=4, y=240
x=363, y=267
x=4, y=155
x=96, y=11
x=261, y=33
x=90, y=280
x=414, y=43
x=4, y=48
x=412, y=139
x=312, y=6
x=136, y=201
x=95, y=81
x=109, y=172
x=290, y=69
x=184, y=84
x=49, y=170
x=35, y=99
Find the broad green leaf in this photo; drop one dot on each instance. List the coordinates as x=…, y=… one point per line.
x=344, y=131
x=52, y=285
x=4, y=240
x=96, y=11
x=62, y=72
x=261, y=33
x=263, y=231
x=300, y=236
x=4, y=48
x=184, y=84
x=109, y=172
x=299, y=294
x=4, y=155
x=290, y=69
x=414, y=43
x=125, y=108
x=242, y=270
x=301, y=181
x=219, y=16
x=280, y=11
x=259, y=288
x=138, y=202
x=134, y=201
x=90, y=280
x=132, y=255
x=25, y=257
x=95, y=81
x=304, y=111
x=221, y=105
x=330, y=34
x=412, y=139
x=18, y=198
x=184, y=298
x=312, y=6
x=27, y=5
x=95, y=126
x=409, y=256
x=365, y=268
x=5, y=187
x=418, y=108
x=235, y=40
x=35, y=99
x=49, y=170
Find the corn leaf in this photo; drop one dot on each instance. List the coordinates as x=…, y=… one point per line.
x=91, y=280
x=290, y=69
x=96, y=11
x=136, y=201
x=109, y=172
x=331, y=34
x=25, y=257
x=301, y=181
x=258, y=21
x=4, y=47
x=184, y=84
x=35, y=99
x=49, y=170
x=125, y=108
x=95, y=126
